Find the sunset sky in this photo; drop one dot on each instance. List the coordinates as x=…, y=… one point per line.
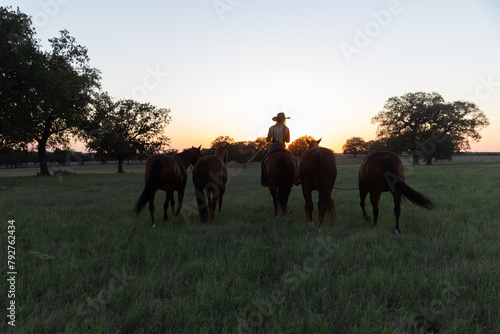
x=226, y=67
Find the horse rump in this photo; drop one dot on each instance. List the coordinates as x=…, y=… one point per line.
x=152, y=185
x=325, y=197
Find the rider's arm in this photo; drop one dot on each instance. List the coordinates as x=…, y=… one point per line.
x=270, y=134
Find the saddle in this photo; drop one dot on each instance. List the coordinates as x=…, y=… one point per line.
x=274, y=151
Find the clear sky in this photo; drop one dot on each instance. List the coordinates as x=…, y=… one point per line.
x=226, y=67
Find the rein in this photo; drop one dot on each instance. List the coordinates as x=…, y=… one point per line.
x=345, y=188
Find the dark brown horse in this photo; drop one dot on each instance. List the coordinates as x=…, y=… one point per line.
x=318, y=171
x=167, y=173
x=381, y=172
x=210, y=178
x=280, y=168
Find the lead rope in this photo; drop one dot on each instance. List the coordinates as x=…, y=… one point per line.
x=260, y=149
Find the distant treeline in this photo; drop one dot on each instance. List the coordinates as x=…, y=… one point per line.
x=239, y=152
x=19, y=158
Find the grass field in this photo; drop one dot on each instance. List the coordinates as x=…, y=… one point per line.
x=86, y=264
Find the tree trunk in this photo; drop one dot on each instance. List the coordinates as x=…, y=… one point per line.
x=120, y=165
x=429, y=160
x=415, y=158
x=42, y=157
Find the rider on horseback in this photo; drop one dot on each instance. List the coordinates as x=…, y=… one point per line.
x=278, y=135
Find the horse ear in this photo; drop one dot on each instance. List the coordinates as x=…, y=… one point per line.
x=308, y=141
x=227, y=145
x=319, y=141
x=199, y=147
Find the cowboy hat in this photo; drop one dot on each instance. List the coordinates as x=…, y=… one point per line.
x=280, y=116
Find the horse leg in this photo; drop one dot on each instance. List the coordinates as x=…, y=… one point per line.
x=180, y=197
x=212, y=203
x=274, y=195
x=165, y=209
x=215, y=199
x=220, y=197
x=309, y=206
x=362, y=195
x=374, y=198
x=168, y=200
x=213, y=206
x=397, y=209
x=152, y=210
x=172, y=203
x=322, y=213
x=285, y=200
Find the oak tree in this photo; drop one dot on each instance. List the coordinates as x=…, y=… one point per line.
x=125, y=128
x=355, y=146
x=44, y=95
x=424, y=122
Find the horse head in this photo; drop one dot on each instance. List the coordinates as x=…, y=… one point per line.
x=221, y=151
x=196, y=154
x=313, y=143
x=190, y=156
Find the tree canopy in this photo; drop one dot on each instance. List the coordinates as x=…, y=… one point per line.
x=221, y=139
x=299, y=145
x=355, y=146
x=425, y=123
x=44, y=96
x=124, y=128
x=49, y=97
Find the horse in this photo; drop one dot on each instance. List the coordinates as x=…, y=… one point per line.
x=167, y=173
x=318, y=171
x=280, y=169
x=210, y=178
x=382, y=172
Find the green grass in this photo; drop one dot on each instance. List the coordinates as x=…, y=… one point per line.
x=86, y=264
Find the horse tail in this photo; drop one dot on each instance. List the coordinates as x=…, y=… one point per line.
x=395, y=182
x=199, y=181
x=282, y=183
x=152, y=185
x=324, y=196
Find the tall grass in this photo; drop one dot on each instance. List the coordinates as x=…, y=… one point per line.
x=87, y=264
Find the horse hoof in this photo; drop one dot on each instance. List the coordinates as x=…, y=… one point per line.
x=397, y=231
x=277, y=217
x=153, y=225
x=310, y=224
x=367, y=220
x=319, y=230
